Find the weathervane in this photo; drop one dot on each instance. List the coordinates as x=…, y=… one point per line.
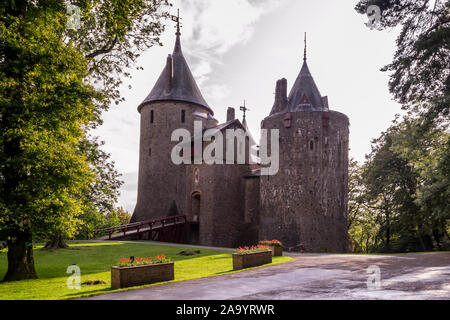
x=177, y=19
x=244, y=109
x=304, y=56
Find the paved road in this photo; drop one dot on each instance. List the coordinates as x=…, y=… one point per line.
x=330, y=277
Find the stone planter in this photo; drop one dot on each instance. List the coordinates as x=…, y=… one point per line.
x=243, y=261
x=141, y=275
x=276, y=251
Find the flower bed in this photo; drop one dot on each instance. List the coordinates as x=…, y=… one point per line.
x=141, y=271
x=275, y=245
x=251, y=257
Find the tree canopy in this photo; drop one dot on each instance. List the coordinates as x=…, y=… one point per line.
x=406, y=178
x=54, y=84
x=420, y=71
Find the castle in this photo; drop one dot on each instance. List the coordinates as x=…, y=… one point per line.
x=229, y=205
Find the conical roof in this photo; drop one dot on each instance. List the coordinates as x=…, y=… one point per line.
x=176, y=82
x=304, y=94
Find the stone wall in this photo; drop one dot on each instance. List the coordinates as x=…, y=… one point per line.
x=306, y=202
x=222, y=202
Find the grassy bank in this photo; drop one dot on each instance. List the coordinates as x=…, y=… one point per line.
x=95, y=261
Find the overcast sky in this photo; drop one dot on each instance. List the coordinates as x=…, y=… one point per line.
x=238, y=49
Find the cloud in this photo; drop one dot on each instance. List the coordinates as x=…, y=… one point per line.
x=217, y=92
x=213, y=28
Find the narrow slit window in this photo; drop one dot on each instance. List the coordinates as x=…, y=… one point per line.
x=311, y=145
x=183, y=116
x=152, y=116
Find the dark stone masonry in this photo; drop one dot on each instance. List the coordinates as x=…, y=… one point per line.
x=231, y=205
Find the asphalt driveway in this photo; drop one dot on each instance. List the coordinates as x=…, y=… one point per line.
x=322, y=277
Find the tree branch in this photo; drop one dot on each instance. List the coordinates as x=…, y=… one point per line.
x=105, y=49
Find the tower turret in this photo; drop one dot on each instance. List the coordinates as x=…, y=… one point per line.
x=175, y=102
x=306, y=202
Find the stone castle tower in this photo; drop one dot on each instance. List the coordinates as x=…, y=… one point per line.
x=172, y=104
x=231, y=205
x=306, y=202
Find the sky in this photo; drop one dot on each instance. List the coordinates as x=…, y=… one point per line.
x=238, y=49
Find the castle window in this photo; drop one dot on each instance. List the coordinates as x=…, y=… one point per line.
x=152, y=116
x=183, y=116
x=311, y=145
x=150, y=152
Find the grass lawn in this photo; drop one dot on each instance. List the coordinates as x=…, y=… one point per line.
x=95, y=261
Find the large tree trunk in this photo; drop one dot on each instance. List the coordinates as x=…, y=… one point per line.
x=56, y=242
x=20, y=258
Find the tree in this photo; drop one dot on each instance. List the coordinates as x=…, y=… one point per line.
x=420, y=72
x=362, y=224
x=45, y=106
x=396, y=180
x=111, y=36
x=355, y=192
x=429, y=154
x=420, y=81
x=54, y=85
x=101, y=196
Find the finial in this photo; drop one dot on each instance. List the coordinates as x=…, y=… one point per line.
x=177, y=20
x=244, y=109
x=304, y=56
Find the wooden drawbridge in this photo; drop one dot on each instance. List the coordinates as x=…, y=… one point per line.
x=171, y=229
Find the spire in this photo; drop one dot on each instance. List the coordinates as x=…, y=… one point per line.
x=178, y=33
x=244, y=109
x=178, y=23
x=304, y=94
x=176, y=82
x=304, y=55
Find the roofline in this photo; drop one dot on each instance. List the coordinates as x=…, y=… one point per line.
x=304, y=111
x=146, y=103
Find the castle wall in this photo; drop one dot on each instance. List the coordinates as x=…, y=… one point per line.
x=222, y=193
x=252, y=199
x=306, y=202
x=250, y=232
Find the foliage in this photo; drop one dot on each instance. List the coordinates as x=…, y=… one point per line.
x=253, y=249
x=97, y=221
x=428, y=153
x=421, y=66
x=102, y=194
x=407, y=175
x=271, y=243
x=404, y=197
x=54, y=84
x=45, y=107
x=362, y=225
x=112, y=35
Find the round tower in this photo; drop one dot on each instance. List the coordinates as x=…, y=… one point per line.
x=174, y=103
x=306, y=202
